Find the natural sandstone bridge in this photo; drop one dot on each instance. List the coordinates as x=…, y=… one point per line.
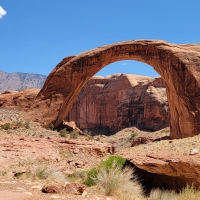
x=178, y=65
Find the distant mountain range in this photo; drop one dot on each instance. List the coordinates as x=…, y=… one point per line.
x=19, y=81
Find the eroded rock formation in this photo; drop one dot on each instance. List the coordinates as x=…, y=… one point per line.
x=107, y=105
x=164, y=169
x=178, y=65
x=20, y=100
x=119, y=101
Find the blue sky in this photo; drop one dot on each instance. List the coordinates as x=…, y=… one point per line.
x=36, y=35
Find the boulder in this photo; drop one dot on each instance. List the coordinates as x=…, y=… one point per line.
x=141, y=140
x=69, y=188
x=71, y=126
x=74, y=188
x=53, y=188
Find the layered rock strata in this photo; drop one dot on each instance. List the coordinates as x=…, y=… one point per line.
x=164, y=168
x=119, y=101
x=20, y=100
x=107, y=105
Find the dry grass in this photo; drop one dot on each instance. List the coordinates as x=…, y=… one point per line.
x=39, y=170
x=176, y=147
x=114, y=182
x=48, y=173
x=123, y=139
x=157, y=194
x=188, y=193
x=120, y=183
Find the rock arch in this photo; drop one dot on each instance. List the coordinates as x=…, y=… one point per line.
x=178, y=65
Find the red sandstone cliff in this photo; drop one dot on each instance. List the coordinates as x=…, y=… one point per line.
x=110, y=104
x=119, y=101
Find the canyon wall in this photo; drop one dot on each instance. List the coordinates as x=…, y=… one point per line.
x=118, y=101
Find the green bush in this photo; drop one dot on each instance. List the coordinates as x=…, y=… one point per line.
x=45, y=172
x=74, y=134
x=78, y=176
x=51, y=127
x=117, y=160
x=6, y=126
x=133, y=135
x=27, y=125
x=92, y=174
x=19, y=124
x=63, y=132
x=121, y=183
x=114, y=179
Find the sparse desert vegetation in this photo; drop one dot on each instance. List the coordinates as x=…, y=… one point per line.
x=103, y=174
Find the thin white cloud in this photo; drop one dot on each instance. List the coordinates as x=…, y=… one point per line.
x=124, y=64
x=2, y=12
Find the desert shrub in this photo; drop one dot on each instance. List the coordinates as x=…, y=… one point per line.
x=78, y=175
x=189, y=192
x=119, y=182
x=91, y=177
x=133, y=135
x=118, y=161
x=3, y=173
x=46, y=172
x=85, y=132
x=6, y=126
x=19, y=175
x=63, y=132
x=157, y=194
x=39, y=172
x=51, y=127
x=19, y=124
x=89, y=137
x=74, y=134
x=27, y=124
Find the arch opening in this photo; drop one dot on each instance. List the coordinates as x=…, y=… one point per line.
x=106, y=105
x=128, y=67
